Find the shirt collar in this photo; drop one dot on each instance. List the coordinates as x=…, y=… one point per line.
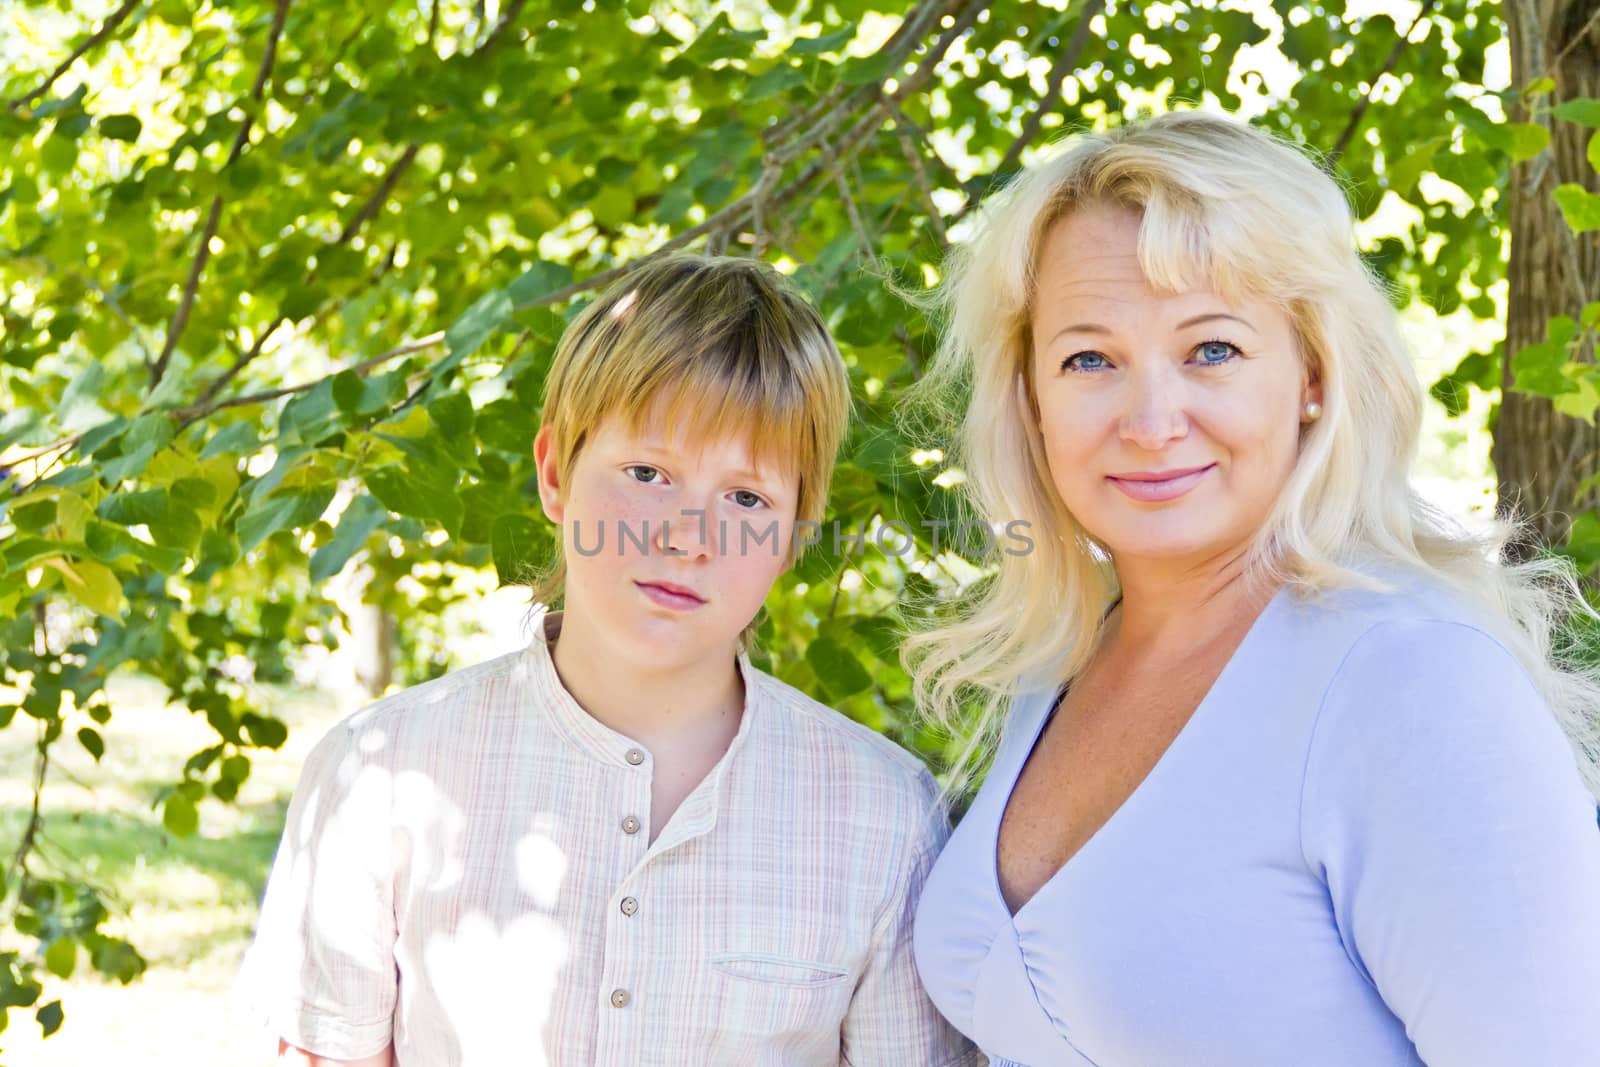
x=607, y=745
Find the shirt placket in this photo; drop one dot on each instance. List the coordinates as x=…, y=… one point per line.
x=624, y=992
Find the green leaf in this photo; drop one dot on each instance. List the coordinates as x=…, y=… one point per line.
x=94, y=585
x=1528, y=140
x=356, y=525
x=868, y=69
x=49, y=1017
x=831, y=42
x=180, y=816
x=452, y=413
x=1579, y=207
x=61, y=958
x=1453, y=394
x=397, y=491
x=282, y=512
x=1593, y=151
x=1583, y=110
x=779, y=79
x=240, y=438
x=136, y=508
x=840, y=673
x=539, y=281
x=1581, y=402
x=121, y=127
x=467, y=333
x=1539, y=370
x=1539, y=87
x=264, y=732
x=92, y=743
x=1404, y=174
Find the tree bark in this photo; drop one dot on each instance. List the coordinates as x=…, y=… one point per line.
x=1541, y=457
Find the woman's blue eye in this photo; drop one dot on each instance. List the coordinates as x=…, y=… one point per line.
x=1214, y=352
x=1084, y=361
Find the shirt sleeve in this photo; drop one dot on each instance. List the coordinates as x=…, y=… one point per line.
x=891, y=1021
x=1444, y=808
x=320, y=972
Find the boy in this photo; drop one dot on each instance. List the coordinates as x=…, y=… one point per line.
x=625, y=845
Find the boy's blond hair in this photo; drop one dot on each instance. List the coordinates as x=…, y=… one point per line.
x=727, y=346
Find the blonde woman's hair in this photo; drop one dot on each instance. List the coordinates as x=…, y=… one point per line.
x=720, y=347
x=1229, y=208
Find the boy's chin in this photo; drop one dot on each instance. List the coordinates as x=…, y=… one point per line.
x=661, y=639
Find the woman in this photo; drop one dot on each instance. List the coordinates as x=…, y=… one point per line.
x=1283, y=777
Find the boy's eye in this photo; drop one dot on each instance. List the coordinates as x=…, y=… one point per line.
x=747, y=499
x=649, y=476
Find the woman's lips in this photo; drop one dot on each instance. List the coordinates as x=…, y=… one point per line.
x=1155, y=489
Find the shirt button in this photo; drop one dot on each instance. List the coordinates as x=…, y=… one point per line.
x=630, y=825
x=635, y=756
x=629, y=905
x=619, y=998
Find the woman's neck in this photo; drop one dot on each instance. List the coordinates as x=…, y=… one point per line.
x=1164, y=604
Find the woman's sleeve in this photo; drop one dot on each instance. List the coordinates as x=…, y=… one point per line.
x=320, y=972
x=1443, y=807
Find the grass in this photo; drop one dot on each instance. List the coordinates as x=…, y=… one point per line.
x=189, y=905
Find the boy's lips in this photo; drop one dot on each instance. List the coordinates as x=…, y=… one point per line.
x=671, y=595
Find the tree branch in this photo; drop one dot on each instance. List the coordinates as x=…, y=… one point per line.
x=900, y=44
x=924, y=187
x=1361, y=109
x=180, y=318
x=107, y=28
x=376, y=201
x=1065, y=64
x=217, y=384
x=195, y=412
x=1573, y=43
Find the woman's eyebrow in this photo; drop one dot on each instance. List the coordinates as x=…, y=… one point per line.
x=1095, y=327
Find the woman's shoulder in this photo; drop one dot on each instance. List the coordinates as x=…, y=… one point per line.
x=1423, y=607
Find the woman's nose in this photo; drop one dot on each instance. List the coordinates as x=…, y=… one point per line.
x=1153, y=415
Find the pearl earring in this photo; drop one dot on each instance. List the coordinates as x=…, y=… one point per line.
x=1313, y=411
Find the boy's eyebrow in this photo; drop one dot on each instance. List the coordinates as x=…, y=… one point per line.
x=656, y=450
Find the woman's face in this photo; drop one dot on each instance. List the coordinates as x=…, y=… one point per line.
x=1171, y=422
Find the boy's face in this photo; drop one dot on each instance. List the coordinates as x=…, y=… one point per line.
x=670, y=548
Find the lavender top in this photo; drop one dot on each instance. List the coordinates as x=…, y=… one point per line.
x=1370, y=845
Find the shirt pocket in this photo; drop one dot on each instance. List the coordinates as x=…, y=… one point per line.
x=778, y=1009
x=778, y=970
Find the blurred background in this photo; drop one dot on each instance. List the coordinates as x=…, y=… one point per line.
x=280, y=280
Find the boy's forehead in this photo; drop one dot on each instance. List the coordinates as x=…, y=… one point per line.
x=735, y=448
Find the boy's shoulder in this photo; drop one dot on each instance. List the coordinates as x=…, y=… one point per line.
x=435, y=704
x=836, y=737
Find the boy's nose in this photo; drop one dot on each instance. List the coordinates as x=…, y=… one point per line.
x=687, y=533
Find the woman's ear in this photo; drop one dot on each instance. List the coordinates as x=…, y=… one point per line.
x=550, y=489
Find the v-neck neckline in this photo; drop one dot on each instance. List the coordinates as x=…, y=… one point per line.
x=1165, y=758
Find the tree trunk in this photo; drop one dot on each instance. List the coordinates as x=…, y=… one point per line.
x=1541, y=457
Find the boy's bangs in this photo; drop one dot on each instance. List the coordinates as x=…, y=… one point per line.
x=703, y=403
